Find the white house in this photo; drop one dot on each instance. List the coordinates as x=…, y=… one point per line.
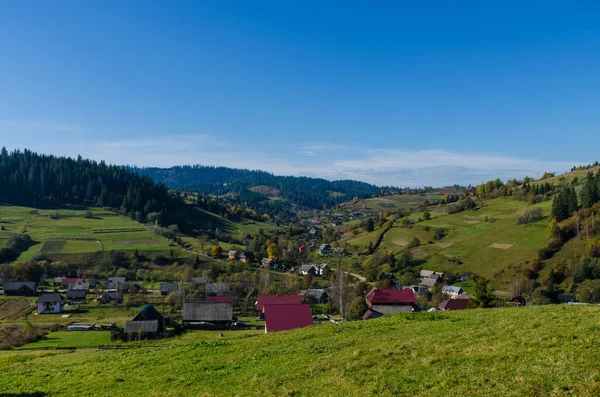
x=323, y=269
x=49, y=303
x=452, y=292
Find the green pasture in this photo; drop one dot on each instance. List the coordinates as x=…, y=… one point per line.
x=546, y=350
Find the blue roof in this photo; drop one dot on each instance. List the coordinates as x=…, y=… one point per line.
x=452, y=288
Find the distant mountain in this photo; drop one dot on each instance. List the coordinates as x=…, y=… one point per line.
x=256, y=187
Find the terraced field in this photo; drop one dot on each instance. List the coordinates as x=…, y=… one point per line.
x=67, y=231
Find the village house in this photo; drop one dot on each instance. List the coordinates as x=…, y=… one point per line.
x=49, y=302
x=232, y=255
x=420, y=290
x=518, y=301
x=452, y=292
x=76, y=295
x=148, y=323
x=21, y=288
x=307, y=269
x=65, y=281
x=430, y=274
x=267, y=262
x=324, y=249
x=389, y=301
x=565, y=298
x=315, y=296
x=168, y=288
x=338, y=251
x=264, y=300
x=199, y=280
x=217, y=289
x=454, y=304
x=117, y=284
x=218, y=314
x=111, y=296
x=79, y=287
x=428, y=282
x=137, y=330
x=323, y=269
x=285, y=317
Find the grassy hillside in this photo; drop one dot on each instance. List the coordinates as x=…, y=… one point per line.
x=67, y=231
x=391, y=203
x=73, y=231
x=487, y=241
x=551, y=350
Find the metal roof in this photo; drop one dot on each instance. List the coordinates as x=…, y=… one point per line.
x=16, y=285
x=49, y=297
x=286, y=317
x=391, y=296
x=277, y=300
x=207, y=311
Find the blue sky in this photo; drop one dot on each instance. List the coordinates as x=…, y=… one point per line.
x=404, y=93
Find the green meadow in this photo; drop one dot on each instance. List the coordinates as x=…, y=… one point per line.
x=67, y=231
x=532, y=351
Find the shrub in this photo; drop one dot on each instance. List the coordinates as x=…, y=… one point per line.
x=529, y=216
x=439, y=234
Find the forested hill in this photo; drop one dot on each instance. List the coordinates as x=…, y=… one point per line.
x=35, y=180
x=253, y=186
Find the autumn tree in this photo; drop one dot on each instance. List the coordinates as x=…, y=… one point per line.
x=272, y=251
x=216, y=251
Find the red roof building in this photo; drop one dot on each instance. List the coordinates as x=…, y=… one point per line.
x=264, y=300
x=286, y=317
x=219, y=299
x=454, y=304
x=66, y=281
x=390, y=297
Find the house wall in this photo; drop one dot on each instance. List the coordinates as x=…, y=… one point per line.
x=54, y=308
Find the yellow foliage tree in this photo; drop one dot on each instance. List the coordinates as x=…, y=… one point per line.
x=272, y=251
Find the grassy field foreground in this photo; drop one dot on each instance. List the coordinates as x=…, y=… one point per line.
x=551, y=350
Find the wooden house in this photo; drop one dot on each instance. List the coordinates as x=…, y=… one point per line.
x=136, y=330
x=20, y=288
x=219, y=314
x=111, y=296
x=307, y=269
x=315, y=296
x=76, y=295
x=168, y=288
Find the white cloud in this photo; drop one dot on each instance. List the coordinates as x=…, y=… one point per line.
x=397, y=167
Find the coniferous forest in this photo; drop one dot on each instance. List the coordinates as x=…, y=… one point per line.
x=43, y=181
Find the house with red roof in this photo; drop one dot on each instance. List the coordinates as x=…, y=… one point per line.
x=286, y=317
x=389, y=301
x=264, y=300
x=219, y=299
x=454, y=304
